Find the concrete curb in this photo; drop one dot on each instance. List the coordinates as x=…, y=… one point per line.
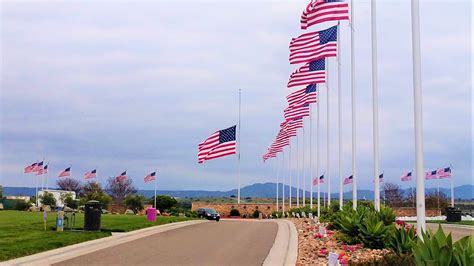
x=285, y=248
x=72, y=251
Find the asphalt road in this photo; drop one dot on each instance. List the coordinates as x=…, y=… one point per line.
x=212, y=243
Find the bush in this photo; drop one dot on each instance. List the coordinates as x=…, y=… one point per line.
x=402, y=240
x=134, y=202
x=164, y=203
x=464, y=251
x=234, y=212
x=22, y=205
x=256, y=213
x=93, y=191
x=69, y=201
x=48, y=199
x=373, y=232
x=386, y=215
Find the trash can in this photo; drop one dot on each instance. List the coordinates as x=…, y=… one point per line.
x=151, y=214
x=92, y=213
x=453, y=214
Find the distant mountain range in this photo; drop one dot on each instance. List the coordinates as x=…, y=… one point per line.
x=259, y=190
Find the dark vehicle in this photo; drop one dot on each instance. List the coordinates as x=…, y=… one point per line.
x=209, y=214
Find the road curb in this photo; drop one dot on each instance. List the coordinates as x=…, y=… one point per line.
x=285, y=248
x=60, y=254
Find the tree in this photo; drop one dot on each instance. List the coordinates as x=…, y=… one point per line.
x=1, y=191
x=69, y=184
x=69, y=201
x=433, y=200
x=164, y=203
x=120, y=189
x=135, y=202
x=393, y=195
x=93, y=191
x=48, y=199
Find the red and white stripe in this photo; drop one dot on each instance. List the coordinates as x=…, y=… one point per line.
x=211, y=148
x=306, y=48
x=319, y=11
x=297, y=112
x=304, y=77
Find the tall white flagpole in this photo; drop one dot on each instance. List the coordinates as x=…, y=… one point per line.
x=375, y=106
x=291, y=176
x=327, y=135
x=283, y=183
x=238, y=188
x=156, y=173
x=420, y=179
x=277, y=188
x=304, y=172
x=339, y=119
x=317, y=151
x=452, y=186
x=311, y=154
x=354, y=172
x=297, y=173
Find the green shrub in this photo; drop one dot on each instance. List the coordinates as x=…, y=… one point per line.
x=464, y=251
x=434, y=249
x=373, y=232
x=402, y=240
x=234, y=212
x=135, y=202
x=22, y=205
x=48, y=199
x=386, y=215
x=256, y=214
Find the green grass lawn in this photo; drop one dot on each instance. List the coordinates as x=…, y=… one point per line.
x=22, y=233
x=444, y=222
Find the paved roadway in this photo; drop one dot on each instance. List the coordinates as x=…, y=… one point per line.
x=212, y=243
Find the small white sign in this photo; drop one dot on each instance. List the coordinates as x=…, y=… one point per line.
x=322, y=230
x=333, y=259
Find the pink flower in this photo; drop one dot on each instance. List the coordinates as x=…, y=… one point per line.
x=344, y=262
x=341, y=255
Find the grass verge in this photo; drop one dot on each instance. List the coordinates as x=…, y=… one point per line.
x=22, y=233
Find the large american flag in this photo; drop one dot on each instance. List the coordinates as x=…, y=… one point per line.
x=313, y=46
x=319, y=11
x=406, y=177
x=303, y=96
x=296, y=112
x=310, y=73
x=431, y=175
x=38, y=167
x=43, y=170
x=219, y=144
x=90, y=174
x=348, y=180
x=317, y=181
x=66, y=172
x=121, y=177
x=30, y=168
x=444, y=172
x=149, y=177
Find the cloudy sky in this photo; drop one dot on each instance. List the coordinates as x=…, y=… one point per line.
x=136, y=86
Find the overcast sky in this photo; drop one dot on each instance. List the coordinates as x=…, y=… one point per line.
x=136, y=86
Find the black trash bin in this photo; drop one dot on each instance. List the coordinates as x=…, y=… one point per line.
x=453, y=214
x=92, y=213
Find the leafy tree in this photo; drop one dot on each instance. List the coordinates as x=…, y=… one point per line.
x=1, y=191
x=433, y=200
x=69, y=184
x=393, y=195
x=69, y=201
x=48, y=199
x=22, y=205
x=164, y=203
x=120, y=189
x=135, y=202
x=93, y=191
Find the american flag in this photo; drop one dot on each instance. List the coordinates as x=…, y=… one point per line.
x=348, y=180
x=381, y=177
x=38, y=167
x=303, y=96
x=319, y=11
x=150, y=177
x=30, y=168
x=91, y=174
x=310, y=73
x=121, y=177
x=406, y=177
x=313, y=46
x=317, y=181
x=431, y=175
x=296, y=112
x=444, y=172
x=66, y=172
x=43, y=170
x=219, y=144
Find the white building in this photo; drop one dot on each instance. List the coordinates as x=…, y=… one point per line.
x=58, y=195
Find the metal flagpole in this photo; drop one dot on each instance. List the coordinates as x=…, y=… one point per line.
x=375, y=107
x=317, y=153
x=156, y=173
x=354, y=173
x=339, y=123
x=283, y=182
x=277, y=175
x=327, y=135
x=418, y=113
x=437, y=196
x=452, y=186
x=238, y=188
x=311, y=155
x=289, y=168
x=36, y=177
x=297, y=173
x=304, y=173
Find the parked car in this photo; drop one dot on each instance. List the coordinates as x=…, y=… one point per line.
x=209, y=214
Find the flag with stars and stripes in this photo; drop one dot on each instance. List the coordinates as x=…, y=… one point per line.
x=310, y=73
x=43, y=170
x=149, y=177
x=317, y=181
x=121, y=177
x=90, y=174
x=30, y=168
x=66, y=172
x=38, y=167
x=348, y=180
x=313, y=46
x=296, y=112
x=319, y=11
x=444, y=172
x=303, y=96
x=219, y=144
x=431, y=175
x=406, y=177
